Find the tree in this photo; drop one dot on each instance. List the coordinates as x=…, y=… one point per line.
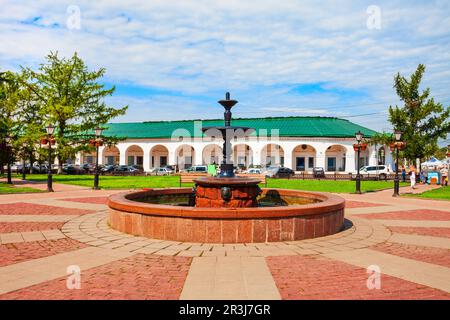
x=421, y=120
x=71, y=99
x=31, y=125
x=9, y=99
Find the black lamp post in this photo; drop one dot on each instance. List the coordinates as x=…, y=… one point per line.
x=8, y=146
x=397, y=145
x=50, y=129
x=98, y=133
x=359, y=136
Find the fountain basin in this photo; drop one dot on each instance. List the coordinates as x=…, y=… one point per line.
x=285, y=215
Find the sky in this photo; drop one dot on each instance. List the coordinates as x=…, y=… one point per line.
x=172, y=60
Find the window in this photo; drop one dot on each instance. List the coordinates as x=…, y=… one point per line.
x=163, y=161
x=331, y=164
x=311, y=162
x=300, y=164
x=110, y=160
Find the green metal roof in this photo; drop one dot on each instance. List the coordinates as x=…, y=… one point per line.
x=287, y=126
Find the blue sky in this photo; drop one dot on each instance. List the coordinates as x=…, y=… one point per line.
x=175, y=59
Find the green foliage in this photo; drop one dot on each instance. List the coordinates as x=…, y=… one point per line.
x=71, y=99
x=382, y=138
x=421, y=120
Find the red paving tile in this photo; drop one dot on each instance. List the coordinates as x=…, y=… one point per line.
x=134, y=278
x=38, y=209
x=426, y=254
x=361, y=204
x=6, y=227
x=18, y=252
x=419, y=214
x=435, y=232
x=96, y=200
x=305, y=277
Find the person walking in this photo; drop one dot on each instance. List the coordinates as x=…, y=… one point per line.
x=425, y=175
x=412, y=176
x=403, y=174
x=444, y=175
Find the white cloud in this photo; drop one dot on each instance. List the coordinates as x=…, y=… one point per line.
x=258, y=50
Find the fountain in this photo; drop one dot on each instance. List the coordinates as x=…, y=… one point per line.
x=227, y=208
x=227, y=190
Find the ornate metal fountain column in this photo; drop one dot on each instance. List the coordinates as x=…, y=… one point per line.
x=226, y=168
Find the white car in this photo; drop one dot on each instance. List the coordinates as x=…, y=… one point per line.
x=381, y=170
x=163, y=171
x=253, y=171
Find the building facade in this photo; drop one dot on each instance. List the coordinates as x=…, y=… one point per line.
x=299, y=143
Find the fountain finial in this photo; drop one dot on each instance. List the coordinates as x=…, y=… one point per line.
x=227, y=96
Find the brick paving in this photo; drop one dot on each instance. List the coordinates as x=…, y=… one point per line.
x=6, y=227
x=306, y=277
x=426, y=254
x=18, y=252
x=429, y=231
x=96, y=200
x=360, y=204
x=419, y=214
x=408, y=237
x=138, y=277
x=23, y=208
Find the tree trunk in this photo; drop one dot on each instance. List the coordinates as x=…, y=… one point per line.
x=60, y=161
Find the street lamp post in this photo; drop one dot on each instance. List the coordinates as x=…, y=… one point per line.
x=358, y=146
x=98, y=143
x=50, y=129
x=397, y=145
x=8, y=159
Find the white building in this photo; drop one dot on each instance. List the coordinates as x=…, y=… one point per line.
x=299, y=143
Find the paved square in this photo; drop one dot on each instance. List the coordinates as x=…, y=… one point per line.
x=41, y=236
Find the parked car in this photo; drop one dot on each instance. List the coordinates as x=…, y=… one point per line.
x=122, y=168
x=136, y=168
x=380, y=170
x=107, y=168
x=254, y=171
x=271, y=171
x=198, y=169
x=88, y=167
x=73, y=169
x=284, y=172
x=318, y=172
x=163, y=171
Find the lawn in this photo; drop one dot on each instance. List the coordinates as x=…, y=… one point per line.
x=338, y=186
x=441, y=193
x=137, y=182
x=112, y=182
x=6, y=188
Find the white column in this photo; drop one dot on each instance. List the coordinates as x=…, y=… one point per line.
x=320, y=158
x=198, y=153
x=288, y=157
x=350, y=160
x=372, y=156
x=256, y=154
x=123, y=155
x=171, y=158
x=146, y=158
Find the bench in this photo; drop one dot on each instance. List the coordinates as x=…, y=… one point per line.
x=261, y=177
x=190, y=177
